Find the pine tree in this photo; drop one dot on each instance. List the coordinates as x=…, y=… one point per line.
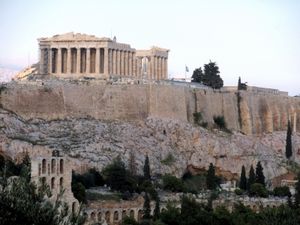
x=147, y=169
x=252, y=176
x=260, y=178
x=243, y=179
x=288, y=145
x=156, y=213
x=211, y=177
x=146, y=208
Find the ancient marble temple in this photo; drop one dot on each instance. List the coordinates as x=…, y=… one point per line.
x=78, y=55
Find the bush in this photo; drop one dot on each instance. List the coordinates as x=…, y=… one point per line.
x=258, y=190
x=282, y=191
x=220, y=122
x=172, y=183
x=92, y=178
x=238, y=191
x=168, y=160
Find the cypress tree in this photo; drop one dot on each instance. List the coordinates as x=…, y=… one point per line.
x=211, y=177
x=239, y=84
x=146, y=208
x=251, y=179
x=243, y=179
x=260, y=178
x=288, y=144
x=156, y=213
x=147, y=169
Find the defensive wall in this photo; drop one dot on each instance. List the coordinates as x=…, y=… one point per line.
x=252, y=112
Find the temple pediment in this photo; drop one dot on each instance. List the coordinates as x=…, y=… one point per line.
x=71, y=36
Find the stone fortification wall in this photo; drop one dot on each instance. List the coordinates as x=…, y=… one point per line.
x=250, y=112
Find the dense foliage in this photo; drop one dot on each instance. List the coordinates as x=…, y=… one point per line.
x=22, y=203
x=243, y=179
x=210, y=77
x=288, y=145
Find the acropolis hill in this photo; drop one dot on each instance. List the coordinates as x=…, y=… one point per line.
x=94, y=99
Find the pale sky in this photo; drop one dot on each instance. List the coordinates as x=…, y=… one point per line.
x=258, y=40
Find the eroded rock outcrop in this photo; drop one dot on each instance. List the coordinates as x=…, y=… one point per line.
x=92, y=142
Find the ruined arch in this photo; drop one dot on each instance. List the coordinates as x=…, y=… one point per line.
x=140, y=215
x=99, y=216
x=61, y=183
x=124, y=214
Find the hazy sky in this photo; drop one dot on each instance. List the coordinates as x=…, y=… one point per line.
x=258, y=40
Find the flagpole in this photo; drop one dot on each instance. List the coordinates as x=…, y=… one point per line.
x=185, y=74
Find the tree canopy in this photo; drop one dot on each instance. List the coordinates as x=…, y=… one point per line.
x=210, y=77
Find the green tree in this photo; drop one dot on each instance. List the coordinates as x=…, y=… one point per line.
x=171, y=216
x=243, y=179
x=147, y=175
x=282, y=191
x=288, y=145
x=260, y=177
x=257, y=189
x=211, y=76
x=211, y=177
x=252, y=177
x=146, y=208
x=79, y=191
x=21, y=203
x=118, y=178
x=239, y=84
x=197, y=75
x=172, y=183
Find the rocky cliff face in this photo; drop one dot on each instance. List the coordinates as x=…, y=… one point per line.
x=172, y=145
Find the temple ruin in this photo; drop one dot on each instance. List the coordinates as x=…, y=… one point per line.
x=78, y=55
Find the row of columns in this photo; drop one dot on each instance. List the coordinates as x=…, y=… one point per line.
x=102, y=61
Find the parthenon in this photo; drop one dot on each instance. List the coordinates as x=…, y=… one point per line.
x=78, y=55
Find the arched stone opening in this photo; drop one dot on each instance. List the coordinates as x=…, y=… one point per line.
x=53, y=166
x=140, y=215
x=61, y=166
x=52, y=183
x=61, y=183
x=116, y=216
x=107, y=217
x=93, y=216
x=131, y=213
x=124, y=214
x=99, y=216
x=44, y=166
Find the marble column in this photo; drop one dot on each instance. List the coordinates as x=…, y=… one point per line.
x=106, y=62
x=130, y=64
x=126, y=63
x=78, y=60
x=121, y=62
x=166, y=68
x=69, y=65
x=162, y=67
x=58, y=68
x=115, y=62
x=88, y=61
x=97, y=61
x=49, y=60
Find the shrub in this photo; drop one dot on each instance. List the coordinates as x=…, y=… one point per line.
x=79, y=191
x=282, y=191
x=168, y=160
x=172, y=183
x=258, y=190
x=238, y=191
x=220, y=122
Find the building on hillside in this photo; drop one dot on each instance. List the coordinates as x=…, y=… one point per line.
x=55, y=172
x=80, y=55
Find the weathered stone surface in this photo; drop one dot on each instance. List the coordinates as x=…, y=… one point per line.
x=92, y=142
